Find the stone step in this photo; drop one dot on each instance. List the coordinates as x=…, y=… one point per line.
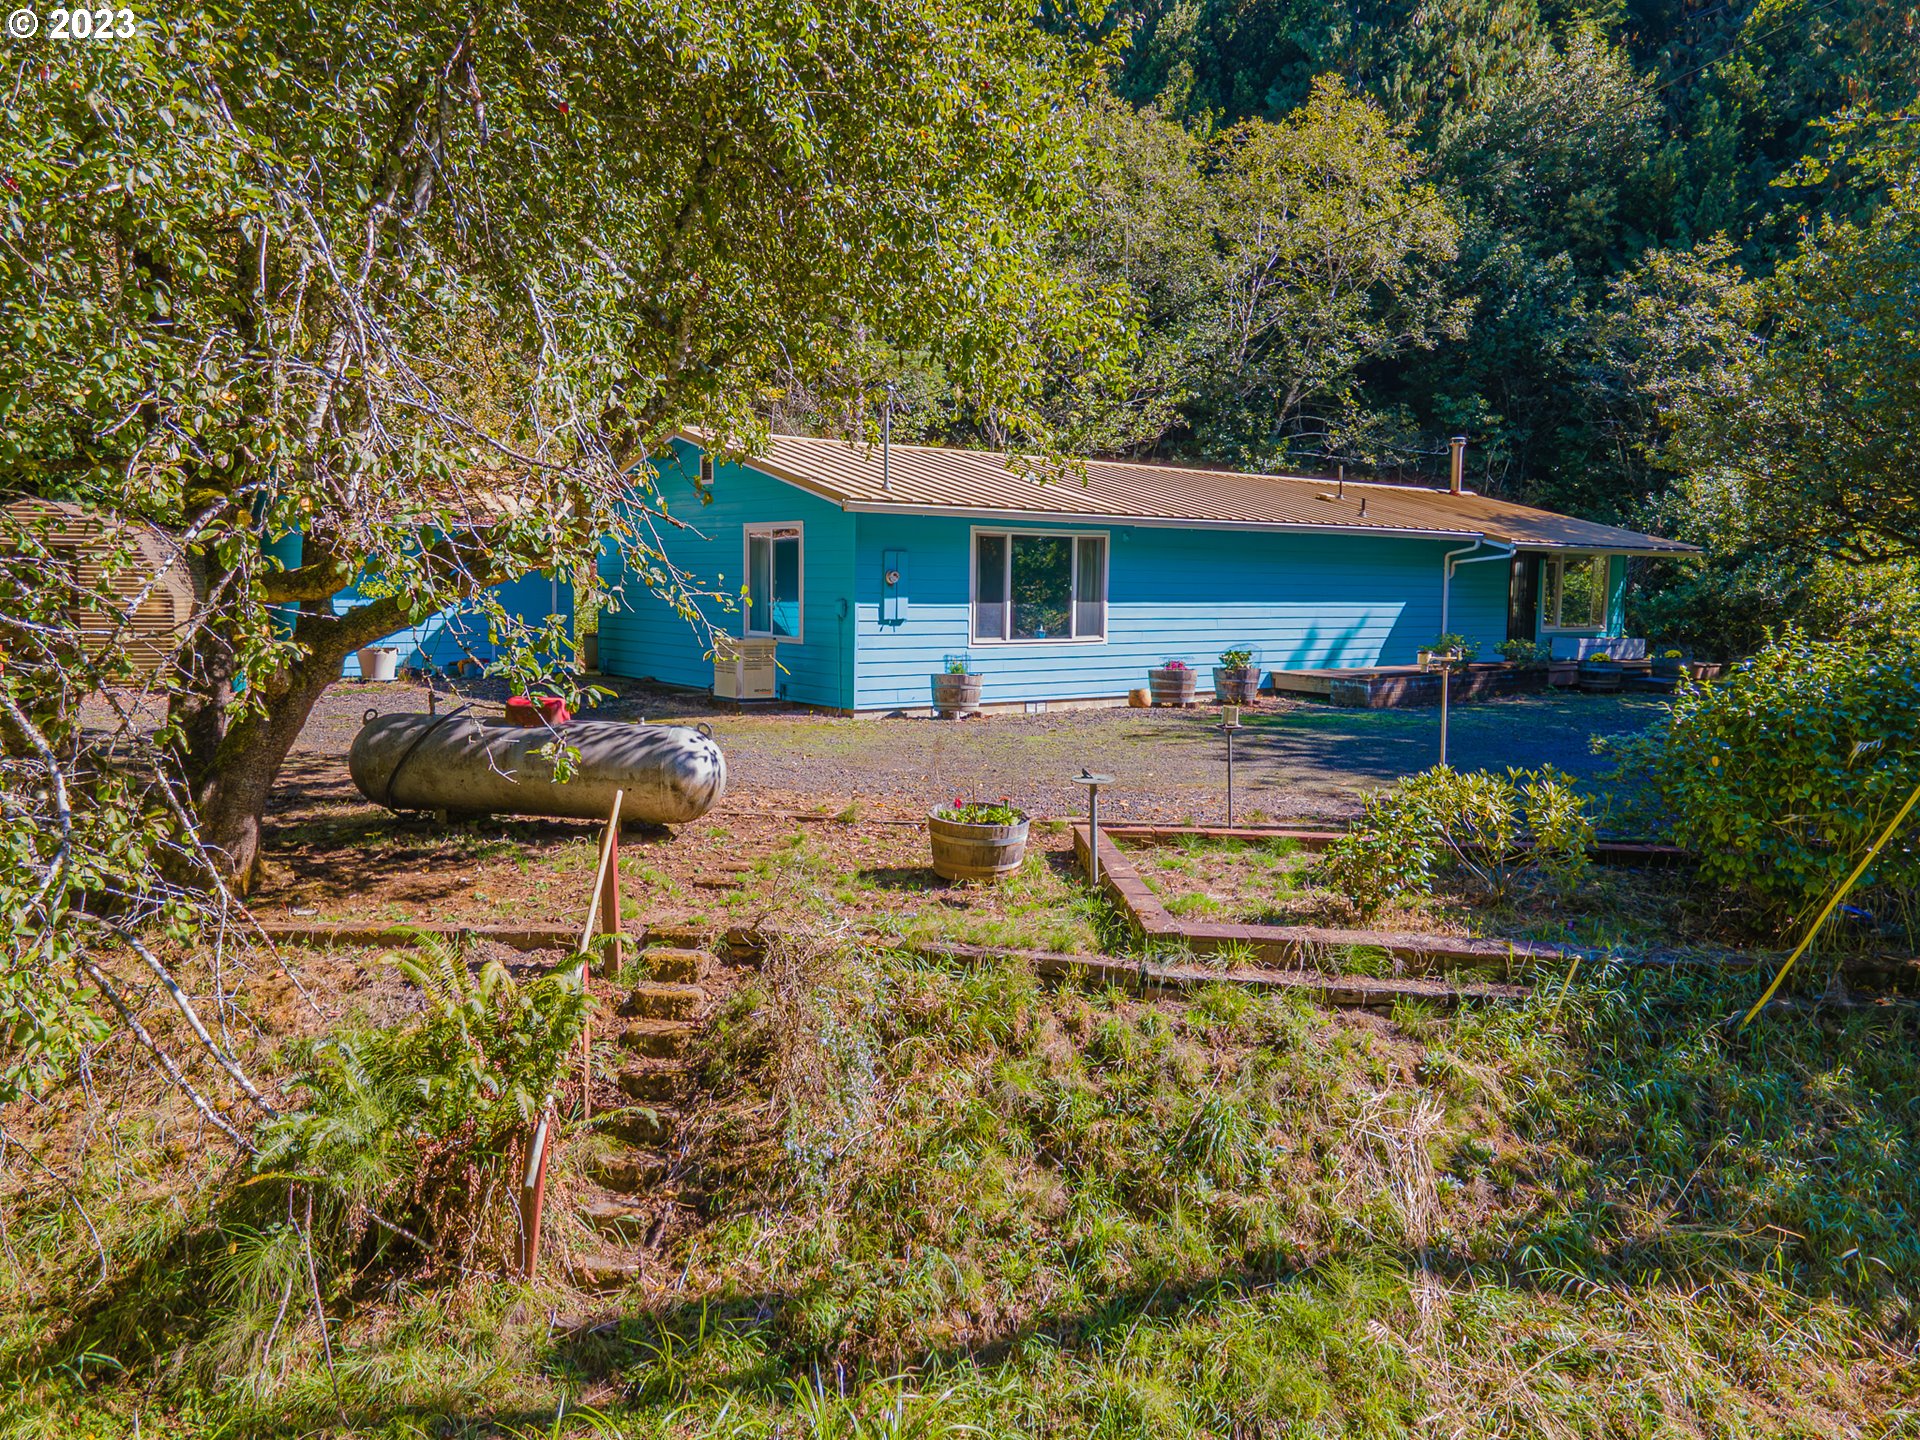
x=657, y=1039
x=664, y=1002
x=640, y=1126
x=628, y=1173
x=650, y=1084
x=673, y=964
x=621, y=1217
x=606, y=1269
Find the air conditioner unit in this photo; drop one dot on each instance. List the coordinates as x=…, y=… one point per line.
x=743, y=669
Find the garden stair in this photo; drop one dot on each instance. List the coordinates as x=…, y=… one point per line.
x=639, y=1179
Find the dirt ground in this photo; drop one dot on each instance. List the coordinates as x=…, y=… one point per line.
x=822, y=812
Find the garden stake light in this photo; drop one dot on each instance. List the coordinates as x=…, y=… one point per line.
x=1093, y=783
x=1230, y=725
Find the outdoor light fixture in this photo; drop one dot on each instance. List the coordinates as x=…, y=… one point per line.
x=1230, y=726
x=1093, y=783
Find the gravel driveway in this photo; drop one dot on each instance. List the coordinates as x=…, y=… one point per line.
x=1295, y=760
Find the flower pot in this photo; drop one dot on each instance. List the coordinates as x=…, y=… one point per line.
x=1236, y=685
x=548, y=710
x=1599, y=675
x=1704, y=669
x=1171, y=687
x=955, y=695
x=379, y=662
x=1139, y=699
x=976, y=852
x=590, y=653
x=1664, y=669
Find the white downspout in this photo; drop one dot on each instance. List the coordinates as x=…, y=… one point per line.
x=1451, y=561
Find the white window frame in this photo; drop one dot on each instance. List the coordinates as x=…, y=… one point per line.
x=768, y=528
x=1553, y=586
x=1105, y=537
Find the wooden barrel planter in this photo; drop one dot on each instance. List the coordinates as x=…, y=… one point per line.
x=1237, y=686
x=955, y=695
x=1171, y=687
x=1600, y=675
x=976, y=852
x=1666, y=669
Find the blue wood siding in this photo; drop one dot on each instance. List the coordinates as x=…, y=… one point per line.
x=459, y=634
x=643, y=637
x=1299, y=601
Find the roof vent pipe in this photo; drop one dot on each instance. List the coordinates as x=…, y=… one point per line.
x=1459, y=445
x=886, y=438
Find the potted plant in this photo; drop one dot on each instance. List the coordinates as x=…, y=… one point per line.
x=1171, y=683
x=1599, y=671
x=975, y=841
x=1236, y=679
x=1520, y=654
x=956, y=689
x=1668, y=664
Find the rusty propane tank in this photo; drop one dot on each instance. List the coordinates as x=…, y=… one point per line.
x=466, y=765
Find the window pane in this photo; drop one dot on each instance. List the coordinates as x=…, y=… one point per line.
x=1598, y=614
x=1042, y=586
x=786, y=584
x=759, y=583
x=1577, y=594
x=990, y=587
x=1090, y=591
x=1550, y=595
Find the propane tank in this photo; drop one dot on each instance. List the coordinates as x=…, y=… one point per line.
x=463, y=764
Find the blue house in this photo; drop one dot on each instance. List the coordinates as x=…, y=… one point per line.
x=871, y=568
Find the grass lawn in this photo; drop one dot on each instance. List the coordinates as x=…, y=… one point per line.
x=945, y=1201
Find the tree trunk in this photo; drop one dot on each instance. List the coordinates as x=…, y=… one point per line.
x=231, y=794
x=231, y=788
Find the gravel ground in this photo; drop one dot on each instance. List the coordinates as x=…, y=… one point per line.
x=1295, y=760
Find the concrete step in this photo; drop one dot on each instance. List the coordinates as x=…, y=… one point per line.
x=664, y=1002
x=629, y=1173
x=674, y=965
x=657, y=1039
x=650, y=1084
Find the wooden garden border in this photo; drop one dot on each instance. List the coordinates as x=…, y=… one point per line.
x=1292, y=944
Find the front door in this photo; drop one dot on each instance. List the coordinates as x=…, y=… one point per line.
x=1523, y=598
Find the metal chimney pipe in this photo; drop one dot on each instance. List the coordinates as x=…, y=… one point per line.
x=1459, y=444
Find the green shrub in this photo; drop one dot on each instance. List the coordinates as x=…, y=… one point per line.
x=1235, y=659
x=1496, y=830
x=1781, y=776
x=1524, y=652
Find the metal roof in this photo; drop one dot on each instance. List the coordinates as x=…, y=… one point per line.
x=986, y=484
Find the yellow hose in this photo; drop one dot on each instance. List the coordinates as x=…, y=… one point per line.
x=1839, y=895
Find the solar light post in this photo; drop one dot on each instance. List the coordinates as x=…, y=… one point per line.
x=1446, y=688
x=1093, y=783
x=1230, y=726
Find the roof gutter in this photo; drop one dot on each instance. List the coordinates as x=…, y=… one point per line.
x=1163, y=522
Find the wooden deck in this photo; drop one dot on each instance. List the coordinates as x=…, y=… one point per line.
x=1386, y=687
x=1393, y=686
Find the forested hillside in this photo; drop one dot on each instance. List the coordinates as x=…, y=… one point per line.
x=1585, y=235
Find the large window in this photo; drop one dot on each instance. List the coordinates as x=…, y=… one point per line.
x=773, y=581
x=1039, y=587
x=1574, y=596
